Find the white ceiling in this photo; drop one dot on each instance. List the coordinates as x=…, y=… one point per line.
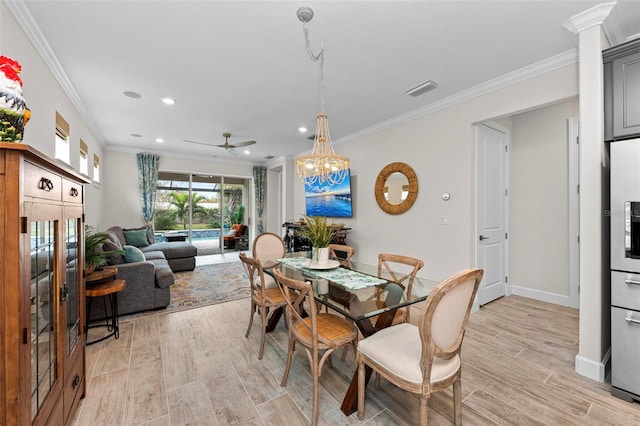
x=241, y=66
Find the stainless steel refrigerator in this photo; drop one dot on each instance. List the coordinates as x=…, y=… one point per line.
x=625, y=269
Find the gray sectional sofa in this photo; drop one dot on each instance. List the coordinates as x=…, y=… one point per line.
x=148, y=280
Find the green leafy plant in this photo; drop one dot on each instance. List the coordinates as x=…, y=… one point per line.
x=94, y=256
x=238, y=216
x=181, y=202
x=319, y=231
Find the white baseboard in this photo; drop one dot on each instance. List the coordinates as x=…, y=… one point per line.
x=594, y=370
x=543, y=296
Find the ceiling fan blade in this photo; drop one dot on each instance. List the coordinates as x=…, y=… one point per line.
x=200, y=143
x=233, y=151
x=239, y=144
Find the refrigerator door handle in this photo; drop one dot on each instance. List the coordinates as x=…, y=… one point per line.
x=630, y=319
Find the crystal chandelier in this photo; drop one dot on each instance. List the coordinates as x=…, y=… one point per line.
x=323, y=164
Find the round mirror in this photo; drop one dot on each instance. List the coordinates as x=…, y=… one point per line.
x=396, y=188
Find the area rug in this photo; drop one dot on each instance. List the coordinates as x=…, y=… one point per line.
x=205, y=285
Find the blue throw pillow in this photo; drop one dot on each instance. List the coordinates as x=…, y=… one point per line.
x=133, y=254
x=137, y=237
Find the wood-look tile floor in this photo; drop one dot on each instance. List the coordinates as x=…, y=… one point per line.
x=196, y=368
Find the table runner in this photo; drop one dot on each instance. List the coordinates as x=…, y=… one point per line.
x=345, y=277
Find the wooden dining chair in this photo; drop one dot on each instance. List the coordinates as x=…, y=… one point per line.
x=343, y=252
x=425, y=358
x=402, y=270
x=266, y=296
x=316, y=331
x=268, y=246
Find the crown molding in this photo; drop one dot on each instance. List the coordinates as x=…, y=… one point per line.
x=533, y=70
x=26, y=22
x=589, y=18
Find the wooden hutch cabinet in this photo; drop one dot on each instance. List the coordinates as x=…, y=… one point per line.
x=42, y=342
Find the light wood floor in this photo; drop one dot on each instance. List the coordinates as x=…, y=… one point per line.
x=196, y=367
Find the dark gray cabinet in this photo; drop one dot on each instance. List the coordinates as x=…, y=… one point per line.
x=622, y=91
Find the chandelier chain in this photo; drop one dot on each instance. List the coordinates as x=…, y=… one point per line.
x=316, y=58
x=322, y=164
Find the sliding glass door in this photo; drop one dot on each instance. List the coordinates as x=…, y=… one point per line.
x=200, y=209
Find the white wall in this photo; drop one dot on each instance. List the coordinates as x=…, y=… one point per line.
x=538, y=202
x=122, y=201
x=44, y=97
x=440, y=148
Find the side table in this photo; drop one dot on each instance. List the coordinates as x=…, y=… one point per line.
x=103, y=283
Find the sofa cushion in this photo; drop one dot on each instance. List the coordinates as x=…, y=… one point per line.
x=164, y=275
x=116, y=258
x=116, y=234
x=133, y=254
x=153, y=255
x=136, y=237
x=173, y=250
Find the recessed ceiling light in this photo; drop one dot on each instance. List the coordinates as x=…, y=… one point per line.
x=247, y=152
x=302, y=129
x=422, y=88
x=168, y=101
x=134, y=95
x=159, y=140
x=135, y=135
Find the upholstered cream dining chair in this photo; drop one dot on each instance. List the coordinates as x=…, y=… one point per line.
x=268, y=246
x=426, y=358
x=266, y=296
x=315, y=332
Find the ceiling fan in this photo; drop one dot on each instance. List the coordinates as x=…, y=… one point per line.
x=226, y=145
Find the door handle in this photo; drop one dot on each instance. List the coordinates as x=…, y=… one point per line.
x=482, y=237
x=630, y=319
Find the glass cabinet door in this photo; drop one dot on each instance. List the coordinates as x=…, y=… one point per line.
x=43, y=313
x=70, y=286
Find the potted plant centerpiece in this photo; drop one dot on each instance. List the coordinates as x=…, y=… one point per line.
x=94, y=255
x=320, y=233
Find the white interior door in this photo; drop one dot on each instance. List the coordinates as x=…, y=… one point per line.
x=491, y=216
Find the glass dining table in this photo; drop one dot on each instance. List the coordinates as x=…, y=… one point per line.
x=358, y=292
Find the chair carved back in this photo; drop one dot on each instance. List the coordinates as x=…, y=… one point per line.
x=444, y=317
x=268, y=246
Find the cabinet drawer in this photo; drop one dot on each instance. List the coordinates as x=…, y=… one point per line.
x=41, y=183
x=625, y=347
x=73, y=385
x=625, y=290
x=71, y=192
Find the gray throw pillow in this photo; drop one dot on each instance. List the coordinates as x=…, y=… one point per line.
x=116, y=258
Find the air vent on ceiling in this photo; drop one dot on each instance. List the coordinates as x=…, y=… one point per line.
x=422, y=88
x=269, y=157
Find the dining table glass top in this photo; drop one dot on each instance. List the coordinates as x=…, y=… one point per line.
x=353, y=289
